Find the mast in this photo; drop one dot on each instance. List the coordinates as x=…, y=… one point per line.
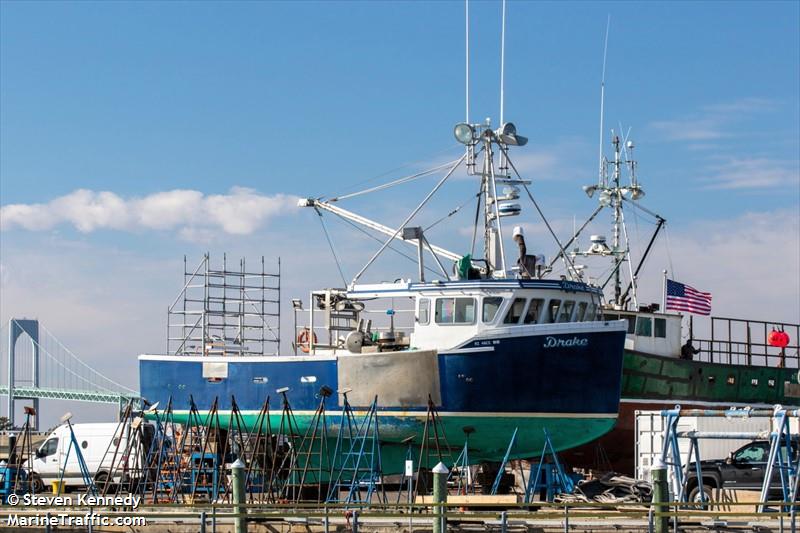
x=617, y=202
x=613, y=193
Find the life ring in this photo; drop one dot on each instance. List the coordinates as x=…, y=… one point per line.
x=302, y=339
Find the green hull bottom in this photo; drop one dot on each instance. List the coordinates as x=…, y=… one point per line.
x=488, y=442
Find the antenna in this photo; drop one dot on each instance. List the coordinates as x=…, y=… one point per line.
x=502, y=62
x=466, y=45
x=603, y=99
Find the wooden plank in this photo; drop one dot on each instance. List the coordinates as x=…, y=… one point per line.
x=470, y=499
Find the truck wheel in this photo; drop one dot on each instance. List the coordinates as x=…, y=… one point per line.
x=100, y=480
x=37, y=485
x=707, y=494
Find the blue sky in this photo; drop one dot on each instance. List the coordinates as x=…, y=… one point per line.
x=306, y=98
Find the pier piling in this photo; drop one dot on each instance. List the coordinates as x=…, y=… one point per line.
x=660, y=495
x=440, y=473
x=239, y=494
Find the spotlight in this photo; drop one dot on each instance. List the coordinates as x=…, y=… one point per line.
x=507, y=133
x=464, y=133
x=589, y=190
x=637, y=193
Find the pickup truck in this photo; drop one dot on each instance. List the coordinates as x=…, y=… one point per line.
x=744, y=469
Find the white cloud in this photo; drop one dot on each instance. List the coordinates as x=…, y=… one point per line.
x=743, y=105
x=753, y=172
x=557, y=161
x=239, y=212
x=690, y=129
x=711, y=122
x=751, y=264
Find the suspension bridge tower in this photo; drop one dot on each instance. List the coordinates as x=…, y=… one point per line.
x=51, y=371
x=16, y=328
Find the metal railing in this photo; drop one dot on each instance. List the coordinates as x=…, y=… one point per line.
x=566, y=516
x=745, y=342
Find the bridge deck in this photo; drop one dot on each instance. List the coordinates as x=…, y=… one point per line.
x=74, y=395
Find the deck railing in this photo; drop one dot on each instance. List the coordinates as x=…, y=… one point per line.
x=744, y=342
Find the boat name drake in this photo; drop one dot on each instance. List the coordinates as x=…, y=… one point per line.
x=552, y=342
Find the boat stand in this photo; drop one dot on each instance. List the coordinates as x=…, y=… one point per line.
x=502, y=469
x=284, y=458
x=14, y=478
x=433, y=439
x=359, y=476
x=780, y=439
x=311, y=457
x=461, y=468
x=549, y=476
x=73, y=445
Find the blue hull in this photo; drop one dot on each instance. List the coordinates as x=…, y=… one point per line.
x=565, y=374
x=568, y=384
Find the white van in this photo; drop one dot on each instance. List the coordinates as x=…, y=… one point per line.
x=97, y=442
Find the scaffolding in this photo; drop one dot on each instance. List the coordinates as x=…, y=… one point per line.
x=226, y=311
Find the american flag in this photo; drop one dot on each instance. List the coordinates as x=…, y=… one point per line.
x=681, y=297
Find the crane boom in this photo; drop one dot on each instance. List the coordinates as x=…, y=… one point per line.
x=371, y=224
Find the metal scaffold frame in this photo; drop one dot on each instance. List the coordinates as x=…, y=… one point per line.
x=781, y=437
x=225, y=311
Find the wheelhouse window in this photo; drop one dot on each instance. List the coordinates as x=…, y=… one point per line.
x=552, y=311
x=424, y=311
x=660, y=328
x=455, y=311
x=491, y=304
x=631, y=323
x=644, y=326
x=566, y=311
x=581, y=312
x=515, y=311
x=590, y=312
x=534, y=310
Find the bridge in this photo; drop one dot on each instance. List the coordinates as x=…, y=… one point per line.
x=43, y=368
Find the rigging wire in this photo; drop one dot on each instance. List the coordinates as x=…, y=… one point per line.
x=409, y=217
x=393, y=183
x=669, y=252
x=426, y=159
x=330, y=243
x=453, y=212
x=373, y=237
x=568, y=262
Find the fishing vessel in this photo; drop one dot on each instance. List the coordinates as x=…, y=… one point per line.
x=687, y=358
x=495, y=345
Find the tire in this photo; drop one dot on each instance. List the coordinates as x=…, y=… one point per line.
x=100, y=484
x=707, y=491
x=37, y=485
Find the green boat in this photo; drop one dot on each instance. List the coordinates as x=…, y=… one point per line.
x=684, y=357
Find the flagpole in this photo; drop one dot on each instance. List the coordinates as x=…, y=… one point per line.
x=664, y=293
